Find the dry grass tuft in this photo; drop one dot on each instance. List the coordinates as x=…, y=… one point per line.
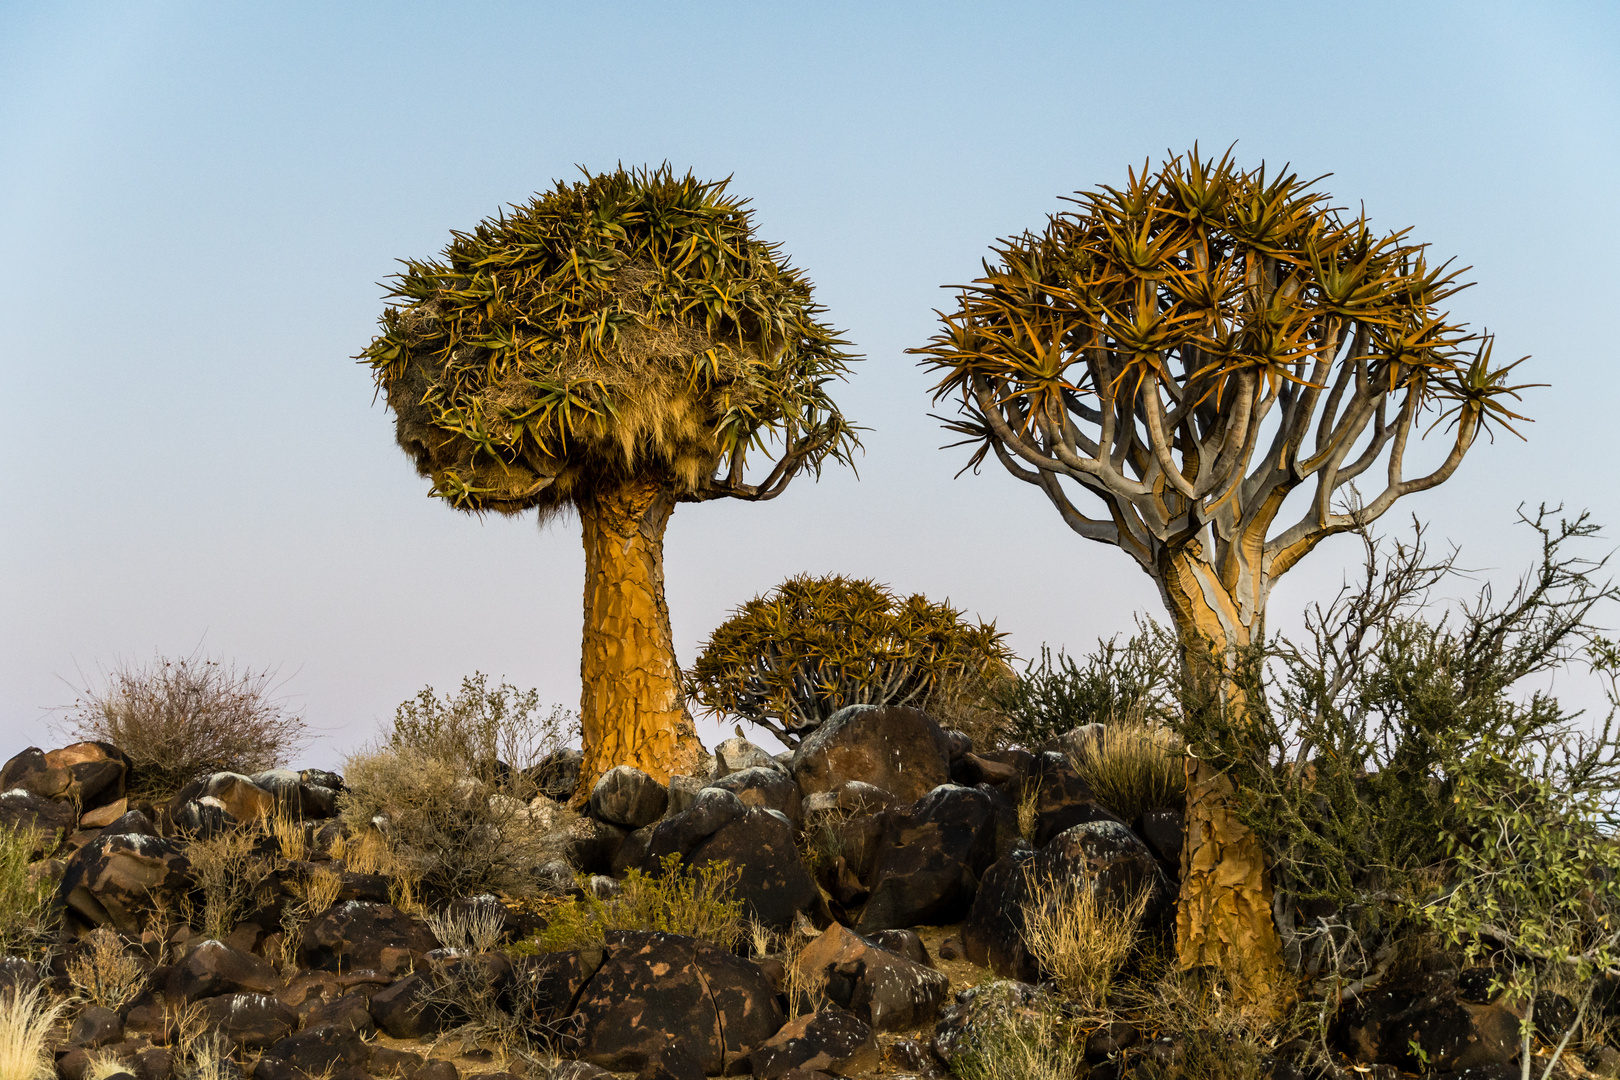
x=178, y=719
x=103, y=973
x=231, y=872
x=1029, y=802
x=476, y=928
x=1138, y=767
x=26, y=1020
x=291, y=836
x=1079, y=939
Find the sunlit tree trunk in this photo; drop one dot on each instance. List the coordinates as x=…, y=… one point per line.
x=1223, y=916
x=632, y=708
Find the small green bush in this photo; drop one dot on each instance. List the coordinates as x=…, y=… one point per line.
x=694, y=901
x=790, y=659
x=1011, y=1035
x=1134, y=683
x=24, y=895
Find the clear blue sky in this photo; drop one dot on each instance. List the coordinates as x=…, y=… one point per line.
x=197, y=202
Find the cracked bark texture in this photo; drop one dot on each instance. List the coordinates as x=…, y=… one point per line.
x=632, y=706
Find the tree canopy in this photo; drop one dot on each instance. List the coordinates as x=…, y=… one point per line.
x=625, y=325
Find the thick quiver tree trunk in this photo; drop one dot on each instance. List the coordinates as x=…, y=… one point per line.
x=632, y=706
x=1223, y=915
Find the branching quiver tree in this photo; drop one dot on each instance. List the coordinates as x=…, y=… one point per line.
x=790, y=659
x=615, y=346
x=1190, y=350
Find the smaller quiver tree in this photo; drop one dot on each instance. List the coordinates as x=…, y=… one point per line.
x=790, y=659
x=615, y=346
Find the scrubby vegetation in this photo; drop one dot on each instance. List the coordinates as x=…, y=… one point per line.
x=498, y=735
x=184, y=717
x=441, y=828
x=692, y=901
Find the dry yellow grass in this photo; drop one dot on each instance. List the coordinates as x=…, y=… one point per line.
x=103, y=973
x=26, y=1020
x=1078, y=938
x=1137, y=767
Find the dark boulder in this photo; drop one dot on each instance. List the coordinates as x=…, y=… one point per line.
x=211, y=968
x=654, y=989
x=320, y=1050
x=1165, y=831
x=627, y=797
x=773, y=882
x=49, y=820
x=681, y=833
x=351, y=1010
x=545, y=989
x=358, y=934
x=905, y=943
x=1062, y=799
x=885, y=990
x=249, y=1021
x=116, y=879
x=829, y=1041
x=96, y=1026
x=1105, y=854
x=765, y=788
x=736, y=754
x=409, y=1009
x=901, y=750
x=928, y=861
x=1423, y=1026
x=557, y=775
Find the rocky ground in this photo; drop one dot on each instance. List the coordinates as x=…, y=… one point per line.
x=889, y=860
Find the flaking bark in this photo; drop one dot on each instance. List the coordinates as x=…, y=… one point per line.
x=633, y=706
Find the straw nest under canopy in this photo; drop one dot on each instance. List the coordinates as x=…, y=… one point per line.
x=625, y=326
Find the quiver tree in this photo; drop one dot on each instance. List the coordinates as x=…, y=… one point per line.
x=790, y=659
x=615, y=346
x=1190, y=350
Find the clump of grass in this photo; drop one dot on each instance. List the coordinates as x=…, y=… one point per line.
x=694, y=901
x=105, y=1067
x=314, y=891
x=103, y=973
x=1135, y=767
x=24, y=894
x=26, y=1020
x=476, y=928
x=1078, y=938
x=231, y=872
x=1029, y=803
x=291, y=838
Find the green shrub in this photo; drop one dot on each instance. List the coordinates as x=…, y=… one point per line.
x=24, y=895
x=444, y=830
x=1134, y=683
x=694, y=901
x=1360, y=755
x=790, y=659
x=493, y=734
x=179, y=719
